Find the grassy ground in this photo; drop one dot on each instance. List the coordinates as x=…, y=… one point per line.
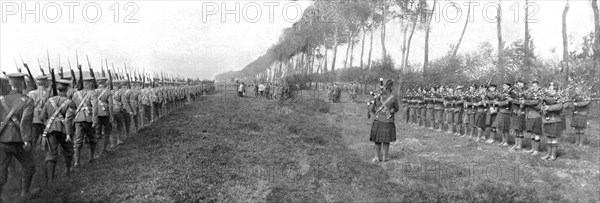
x=231, y=149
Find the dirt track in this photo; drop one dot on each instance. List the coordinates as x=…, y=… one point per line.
x=306, y=151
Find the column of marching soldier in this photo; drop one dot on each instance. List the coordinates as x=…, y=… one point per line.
x=38, y=122
x=514, y=110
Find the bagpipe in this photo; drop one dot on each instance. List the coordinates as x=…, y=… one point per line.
x=377, y=96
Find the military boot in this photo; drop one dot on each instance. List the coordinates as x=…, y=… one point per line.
x=50, y=168
x=76, y=159
x=93, y=155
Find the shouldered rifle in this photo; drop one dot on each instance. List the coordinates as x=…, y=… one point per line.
x=29, y=72
x=54, y=90
x=110, y=79
x=80, y=81
x=17, y=65
x=41, y=69
x=128, y=78
x=91, y=72
x=102, y=68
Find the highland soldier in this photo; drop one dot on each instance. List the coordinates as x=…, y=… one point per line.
x=580, y=107
x=39, y=96
x=517, y=119
x=16, y=136
x=458, y=110
x=84, y=121
x=102, y=112
x=58, y=114
x=533, y=118
x=551, y=108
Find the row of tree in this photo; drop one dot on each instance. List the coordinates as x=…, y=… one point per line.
x=303, y=49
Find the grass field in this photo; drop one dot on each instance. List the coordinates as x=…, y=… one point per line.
x=305, y=150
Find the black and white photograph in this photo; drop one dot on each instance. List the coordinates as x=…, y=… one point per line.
x=299, y=101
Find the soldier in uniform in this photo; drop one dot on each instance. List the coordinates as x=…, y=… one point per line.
x=480, y=113
x=102, y=113
x=580, y=110
x=58, y=113
x=533, y=124
x=383, y=130
x=449, y=109
x=502, y=123
x=134, y=95
x=429, y=117
x=458, y=107
x=439, y=108
x=127, y=110
x=16, y=136
x=39, y=96
x=492, y=112
x=118, y=112
x=84, y=121
x=517, y=119
x=551, y=109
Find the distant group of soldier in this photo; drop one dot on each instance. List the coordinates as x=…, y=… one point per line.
x=512, y=110
x=274, y=91
x=36, y=121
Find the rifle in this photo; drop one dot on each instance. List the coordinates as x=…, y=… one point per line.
x=102, y=68
x=144, y=79
x=73, y=79
x=92, y=72
x=116, y=74
x=54, y=90
x=29, y=72
x=80, y=81
x=4, y=73
x=110, y=79
x=17, y=65
x=41, y=69
x=128, y=78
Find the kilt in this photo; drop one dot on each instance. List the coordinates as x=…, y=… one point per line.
x=502, y=121
x=490, y=118
x=423, y=113
x=383, y=132
x=430, y=114
x=579, y=121
x=450, y=116
x=480, y=120
x=438, y=114
x=458, y=118
x=517, y=122
x=465, y=117
x=534, y=125
x=553, y=130
x=472, y=118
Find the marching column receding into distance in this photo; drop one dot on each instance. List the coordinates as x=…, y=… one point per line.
x=91, y=110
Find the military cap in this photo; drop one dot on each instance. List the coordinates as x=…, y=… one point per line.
x=460, y=87
x=389, y=83
x=16, y=77
x=492, y=85
x=41, y=77
x=63, y=82
x=102, y=79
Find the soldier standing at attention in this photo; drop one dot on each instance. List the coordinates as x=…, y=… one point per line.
x=127, y=109
x=492, y=113
x=551, y=108
x=58, y=113
x=533, y=117
x=16, y=112
x=102, y=113
x=502, y=123
x=517, y=119
x=39, y=96
x=84, y=121
x=580, y=110
x=383, y=130
x=117, y=112
x=134, y=94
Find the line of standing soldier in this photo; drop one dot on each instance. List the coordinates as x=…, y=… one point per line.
x=477, y=111
x=36, y=119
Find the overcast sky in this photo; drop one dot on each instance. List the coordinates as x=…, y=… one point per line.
x=191, y=38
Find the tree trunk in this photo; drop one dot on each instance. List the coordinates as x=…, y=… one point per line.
x=335, y=46
x=412, y=32
x=427, y=30
x=463, y=31
x=499, y=33
x=404, y=31
x=325, y=60
x=352, y=53
x=383, y=22
x=347, y=51
x=596, y=46
x=362, y=49
x=565, y=47
x=370, y=50
x=526, y=41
